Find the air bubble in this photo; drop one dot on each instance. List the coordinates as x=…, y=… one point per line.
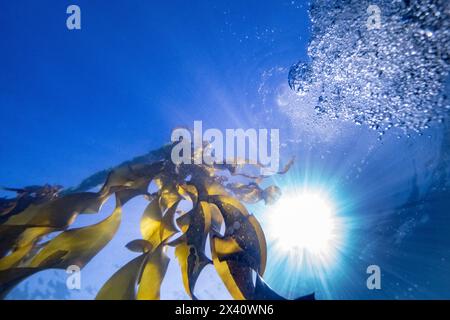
x=393, y=77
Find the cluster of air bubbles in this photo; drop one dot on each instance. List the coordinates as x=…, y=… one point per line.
x=392, y=76
x=300, y=78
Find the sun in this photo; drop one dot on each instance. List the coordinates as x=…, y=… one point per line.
x=302, y=221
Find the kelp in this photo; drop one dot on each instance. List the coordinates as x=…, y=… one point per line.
x=217, y=214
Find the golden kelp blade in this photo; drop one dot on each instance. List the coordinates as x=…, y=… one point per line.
x=38, y=220
x=168, y=226
x=188, y=190
x=155, y=227
x=151, y=222
x=23, y=245
x=147, y=270
x=153, y=274
x=14, y=237
x=31, y=234
x=122, y=285
x=226, y=247
x=15, y=257
x=168, y=190
x=224, y=272
x=81, y=244
x=168, y=197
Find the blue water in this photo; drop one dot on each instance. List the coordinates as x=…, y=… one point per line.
x=76, y=102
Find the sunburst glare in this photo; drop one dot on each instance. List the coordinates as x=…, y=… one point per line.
x=303, y=221
x=306, y=232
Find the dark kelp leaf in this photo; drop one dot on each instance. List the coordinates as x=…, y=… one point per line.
x=138, y=189
x=140, y=246
x=191, y=263
x=242, y=249
x=58, y=213
x=191, y=251
x=287, y=166
x=131, y=180
x=235, y=286
x=245, y=230
x=183, y=222
x=271, y=195
x=6, y=206
x=252, y=193
x=249, y=193
x=120, y=178
x=32, y=195
x=233, y=169
x=264, y=292
x=9, y=278
x=9, y=236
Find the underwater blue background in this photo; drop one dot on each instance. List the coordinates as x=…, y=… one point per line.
x=76, y=102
